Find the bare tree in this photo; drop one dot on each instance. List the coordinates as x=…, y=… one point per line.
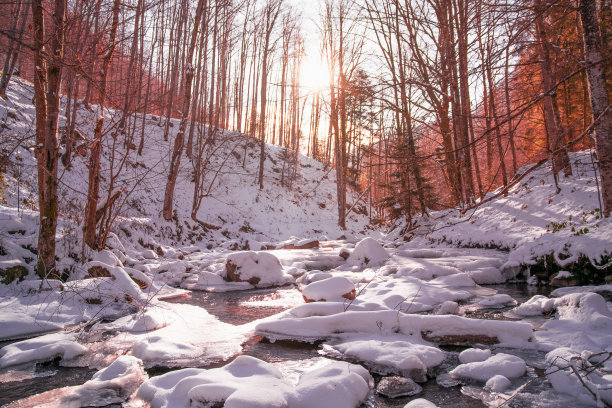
x=180, y=136
x=600, y=103
x=48, y=52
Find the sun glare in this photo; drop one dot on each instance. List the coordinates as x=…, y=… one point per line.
x=314, y=74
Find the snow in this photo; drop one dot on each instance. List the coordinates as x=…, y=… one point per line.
x=584, y=322
x=497, y=383
x=537, y=305
x=409, y=356
x=500, y=300
x=508, y=365
x=250, y=382
x=420, y=403
x=410, y=295
x=111, y=385
x=595, y=384
x=336, y=288
x=41, y=348
x=330, y=322
x=368, y=252
x=473, y=355
x=258, y=268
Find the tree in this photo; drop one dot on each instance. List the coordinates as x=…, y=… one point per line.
x=270, y=14
x=48, y=52
x=600, y=103
x=180, y=136
x=92, y=212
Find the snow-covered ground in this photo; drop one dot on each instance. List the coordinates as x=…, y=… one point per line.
x=380, y=310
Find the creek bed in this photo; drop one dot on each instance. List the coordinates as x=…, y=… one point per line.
x=292, y=358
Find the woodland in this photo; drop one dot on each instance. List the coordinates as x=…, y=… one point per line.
x=173, y=149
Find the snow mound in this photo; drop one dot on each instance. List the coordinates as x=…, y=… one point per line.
x=249, y=382
x=500, y=364
x=584, y=321
x=473, y=355
x=111, y=385
x=337, y=288
x=43, y=348
x=420, y=403
x=499, y=300
x=368, y=252
x=408, y=356
x=257, y=268
x=535, y=306
x=497, y=383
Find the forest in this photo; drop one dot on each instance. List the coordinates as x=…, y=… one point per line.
x=374, y=178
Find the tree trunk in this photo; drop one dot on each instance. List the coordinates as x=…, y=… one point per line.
x=90, y=222
x=560, y=159
x=180, y=136
x=600, y=103
x=47, y=81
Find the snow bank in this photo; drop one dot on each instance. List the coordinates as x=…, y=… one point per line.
x=43, y=348
x=595, y=382
x=249, y=382
x=313, y=328
x=584, y=322
x=500, y=364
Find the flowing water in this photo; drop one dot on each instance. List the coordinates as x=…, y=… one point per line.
x=293, y=358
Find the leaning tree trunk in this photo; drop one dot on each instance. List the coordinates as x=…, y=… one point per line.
x=600, y=103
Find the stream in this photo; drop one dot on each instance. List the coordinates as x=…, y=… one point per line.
x=293, y=358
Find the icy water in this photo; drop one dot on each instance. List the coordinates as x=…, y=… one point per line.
x=293, y=358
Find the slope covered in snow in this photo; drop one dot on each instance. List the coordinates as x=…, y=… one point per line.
x=536, y=223
x=296, y=202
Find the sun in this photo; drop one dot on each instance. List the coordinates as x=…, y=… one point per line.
x=314, y=74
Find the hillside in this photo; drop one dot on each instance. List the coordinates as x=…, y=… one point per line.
x=542, y=229
x=302, y=207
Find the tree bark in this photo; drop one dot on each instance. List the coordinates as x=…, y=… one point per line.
x=180, y=136
x=89, y=229
x=600, y=103
x=47, y=82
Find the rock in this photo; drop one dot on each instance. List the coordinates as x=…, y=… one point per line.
x=563, y=279
x=254, y=268
x=107, y=257
x=97, y=271
x=609, y=279
x=394, y=387
x=497, y=383
x=344, y=253
x=304, y=244
x=460, y=339
x=368, y=252
x=11, y=271
x=420, y=403
x=331, y=289
x=445, y=380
